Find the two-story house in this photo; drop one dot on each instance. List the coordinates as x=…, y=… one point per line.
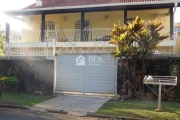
x=76, y=32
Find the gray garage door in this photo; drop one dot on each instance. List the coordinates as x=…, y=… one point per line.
x=86, y=73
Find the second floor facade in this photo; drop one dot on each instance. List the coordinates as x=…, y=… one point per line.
x=86, y=29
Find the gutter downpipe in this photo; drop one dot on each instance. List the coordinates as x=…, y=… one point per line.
x=174, y=35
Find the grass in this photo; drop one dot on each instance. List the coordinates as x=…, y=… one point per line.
x=22, y=98
x=141, y=109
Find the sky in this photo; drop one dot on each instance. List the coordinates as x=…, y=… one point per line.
x=12, y=5
x=19, y=4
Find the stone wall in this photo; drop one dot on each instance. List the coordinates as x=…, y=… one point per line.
x=34, y=75
x=159, y=67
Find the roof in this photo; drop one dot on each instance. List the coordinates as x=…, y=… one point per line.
x=65, y=6
x=64, y=3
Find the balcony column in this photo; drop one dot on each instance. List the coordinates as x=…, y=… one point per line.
x=7, y=32
x=42, y=27
x=171, y=22
x=125, y=16
x=82, y=26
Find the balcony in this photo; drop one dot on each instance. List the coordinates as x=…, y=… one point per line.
x=30, y=43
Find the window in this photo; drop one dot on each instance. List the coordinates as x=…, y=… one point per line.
x=78, y=24
x=49, y=25
x=87, y=32
x=50, y=28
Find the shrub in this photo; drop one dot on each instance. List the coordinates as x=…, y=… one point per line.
x=9, y=83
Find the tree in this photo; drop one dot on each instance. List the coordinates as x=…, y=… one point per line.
x=136, y=40
x=2, y=39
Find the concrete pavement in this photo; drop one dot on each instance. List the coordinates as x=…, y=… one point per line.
x=72, y=105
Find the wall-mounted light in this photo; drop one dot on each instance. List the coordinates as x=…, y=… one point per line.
x=106, y=17
x=64, y=18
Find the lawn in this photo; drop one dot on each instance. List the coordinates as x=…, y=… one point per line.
x=22, y=98
x=141, y=109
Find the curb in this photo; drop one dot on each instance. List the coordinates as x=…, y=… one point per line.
x=57, y=111
x=116, y=117
x=15, y=106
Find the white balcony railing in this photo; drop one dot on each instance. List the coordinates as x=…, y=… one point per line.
x=31, y=44
x=67, y=35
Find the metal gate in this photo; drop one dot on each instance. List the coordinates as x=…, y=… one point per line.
x=86, y=73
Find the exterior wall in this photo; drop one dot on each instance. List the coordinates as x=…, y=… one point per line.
x=31, y=23
x=97, y=22
x=98, y=19
x=162, y=14
x=71, y=18
x=178, y=37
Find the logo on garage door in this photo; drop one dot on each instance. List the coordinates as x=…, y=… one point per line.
x=80, y=60
x=93, y=60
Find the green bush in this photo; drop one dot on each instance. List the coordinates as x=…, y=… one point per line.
x=9, y=83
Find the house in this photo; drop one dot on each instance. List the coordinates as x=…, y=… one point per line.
x=67, y=29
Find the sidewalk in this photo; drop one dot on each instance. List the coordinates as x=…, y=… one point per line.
x=72, y=105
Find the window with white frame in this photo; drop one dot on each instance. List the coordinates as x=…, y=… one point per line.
x=86, y=30
x=49, y=25
x=50, y=28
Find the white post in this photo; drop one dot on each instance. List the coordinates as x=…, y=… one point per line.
x=47, y=52
x=54, y=47
x=159, y=100
x=55, y=65
x=55, y=68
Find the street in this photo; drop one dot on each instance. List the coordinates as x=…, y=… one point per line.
x=17, y=114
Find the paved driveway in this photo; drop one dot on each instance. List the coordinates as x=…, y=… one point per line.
x=73, y=105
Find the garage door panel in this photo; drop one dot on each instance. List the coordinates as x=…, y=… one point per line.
x=76, y=84
x=100, y=91
x=93, y=78
x=100, y=88
x=100, y=72
x=99, y=78
x=99, y=65
x=72, y=89
x=100, y=68
x=99, y=85
x=70, y=80
x=70, y=73
x=95, y=81
x=71, y=77
x=99, y=75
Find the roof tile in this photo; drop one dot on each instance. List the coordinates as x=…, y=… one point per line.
x=63, y=3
